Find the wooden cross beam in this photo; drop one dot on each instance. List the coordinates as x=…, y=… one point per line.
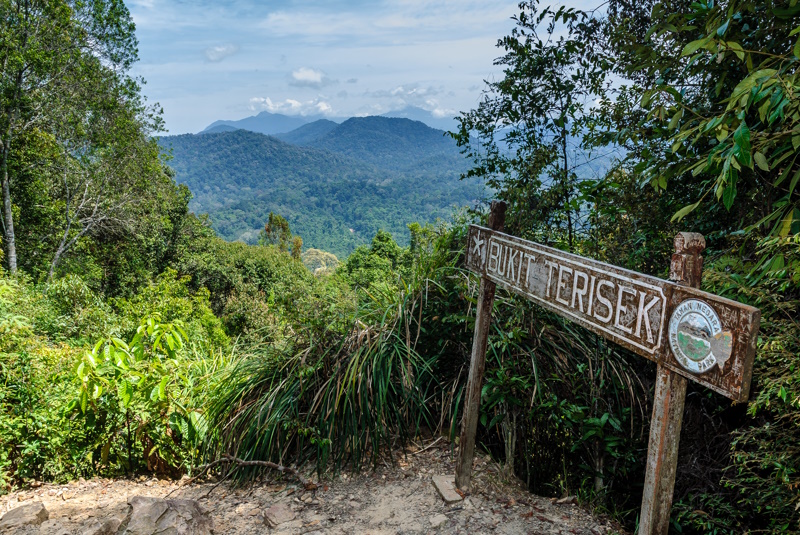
x=689, y=333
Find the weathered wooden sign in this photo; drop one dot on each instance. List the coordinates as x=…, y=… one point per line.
x=689, y=333
x=704, y=337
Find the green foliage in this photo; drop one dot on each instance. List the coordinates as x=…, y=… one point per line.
x=35, y=436
x=727, y=107
x=339, y=391
x=276, y=232
x=335, y=202
x=170, y=298
x=319, y=262
x=73, y=311
x=136, y=400
x=74, y=127
x=520, y=137
x=378, y=263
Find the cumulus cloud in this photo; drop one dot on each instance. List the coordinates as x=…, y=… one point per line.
x=220, y=52
x=305, y=77
x=291, y=106
x=412, y=93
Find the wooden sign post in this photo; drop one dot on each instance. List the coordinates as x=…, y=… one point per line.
x=472, y=399
x=689, y=333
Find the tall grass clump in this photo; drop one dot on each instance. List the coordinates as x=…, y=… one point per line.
x=337, y=400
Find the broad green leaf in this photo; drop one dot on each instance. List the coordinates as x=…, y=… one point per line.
x=737, y=49
x=125, y=392
x=748, y=83
x=761, y=161
x=742, y=138
x=793, y=183
x=673, y=124
x=104, y=453
x=786, y=225
x=728, y=196
x=694, y=46
x=785, y=173
x=763, y=110
x=162, y=388
x=683, y=212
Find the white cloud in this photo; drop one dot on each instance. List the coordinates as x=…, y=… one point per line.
x=146, y=4
x=220, y=52
x=408, y=92
x=291, y=106
x=305, y=77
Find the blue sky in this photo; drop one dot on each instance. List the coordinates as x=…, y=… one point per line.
x=223, y=59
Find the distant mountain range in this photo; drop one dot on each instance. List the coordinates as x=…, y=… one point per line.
x=276, y=123
x=336, y=184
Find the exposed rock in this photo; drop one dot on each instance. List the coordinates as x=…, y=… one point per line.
x=157, y=516
x=32, y=514
x=446, y=487
x=108, y=526
x=438, y=521
x=278, y=514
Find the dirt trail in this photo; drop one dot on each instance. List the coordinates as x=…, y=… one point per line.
x=399, y=499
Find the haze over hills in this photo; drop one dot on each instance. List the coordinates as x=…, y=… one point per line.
x=387, y=143
x=276, y=123
x=424, y=116
x=263, y=123
x=308, y=133
x=336, y=186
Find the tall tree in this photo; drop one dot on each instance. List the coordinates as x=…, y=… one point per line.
x=524, y=136
x=45, y=49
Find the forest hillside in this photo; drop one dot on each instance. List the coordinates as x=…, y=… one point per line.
x=337, y=185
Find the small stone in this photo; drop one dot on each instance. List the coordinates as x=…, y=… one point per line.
x=445, y=486
x=278, y=514
x=438, y=521
x=32, y=514
x=156, y=515
x=95, y=527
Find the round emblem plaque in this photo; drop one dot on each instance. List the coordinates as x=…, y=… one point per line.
x=696, y=337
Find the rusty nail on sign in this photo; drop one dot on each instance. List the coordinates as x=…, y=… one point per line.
x=694, y=334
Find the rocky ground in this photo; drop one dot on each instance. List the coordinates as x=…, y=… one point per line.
x=399, y=499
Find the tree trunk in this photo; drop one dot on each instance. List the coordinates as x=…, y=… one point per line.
x=8, y=216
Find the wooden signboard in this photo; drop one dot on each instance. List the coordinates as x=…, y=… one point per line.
x=689, y=333
x=704, y=337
